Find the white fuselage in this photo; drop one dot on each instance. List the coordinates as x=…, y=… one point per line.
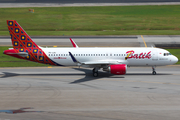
x=136, y=56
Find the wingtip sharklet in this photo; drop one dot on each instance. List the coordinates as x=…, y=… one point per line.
x=73, y=43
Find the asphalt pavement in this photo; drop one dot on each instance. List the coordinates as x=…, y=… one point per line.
x=85, y=1
x=73, y=93
x=69, y=3
x=102, y=41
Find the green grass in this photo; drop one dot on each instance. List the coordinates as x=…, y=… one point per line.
x=90, y=33
x=113, y=20
x=8, y=61
x=176, y=53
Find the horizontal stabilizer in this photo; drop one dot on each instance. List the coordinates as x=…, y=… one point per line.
x=12, y=52
x=22, y=54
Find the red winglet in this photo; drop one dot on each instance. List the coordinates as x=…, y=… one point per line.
x=73, y=43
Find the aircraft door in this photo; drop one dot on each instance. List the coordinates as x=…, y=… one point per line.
x=155, y=55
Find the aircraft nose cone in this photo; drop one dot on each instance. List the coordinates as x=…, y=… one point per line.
x=175, y=59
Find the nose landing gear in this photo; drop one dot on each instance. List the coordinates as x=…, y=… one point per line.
x=153, y=70
x=95, y=72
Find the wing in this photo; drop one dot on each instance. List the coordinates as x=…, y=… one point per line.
x=98, y=62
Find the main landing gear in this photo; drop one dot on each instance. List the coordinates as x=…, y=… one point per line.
x=95, y=72
x=154, y=71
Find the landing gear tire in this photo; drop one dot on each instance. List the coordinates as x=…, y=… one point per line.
x=154, y=72
x=95, y=72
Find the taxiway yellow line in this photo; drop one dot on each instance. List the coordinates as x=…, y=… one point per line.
x=144, y=41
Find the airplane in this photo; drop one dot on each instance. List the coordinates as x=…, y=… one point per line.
x=111, y=59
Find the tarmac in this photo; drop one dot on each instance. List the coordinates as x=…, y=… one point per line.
x=42, y=93
x=5, y=4
x=103, y=41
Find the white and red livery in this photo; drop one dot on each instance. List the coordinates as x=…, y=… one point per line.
x=113, y=60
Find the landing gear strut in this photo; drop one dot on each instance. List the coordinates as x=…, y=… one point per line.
x=154, y=71
x=95, y=72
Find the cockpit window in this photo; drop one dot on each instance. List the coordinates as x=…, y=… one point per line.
x=166, y=54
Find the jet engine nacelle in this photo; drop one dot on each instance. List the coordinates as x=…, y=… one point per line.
x=117, y=69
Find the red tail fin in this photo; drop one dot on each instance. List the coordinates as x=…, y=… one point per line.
x=22, y=42
x=20, y=39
